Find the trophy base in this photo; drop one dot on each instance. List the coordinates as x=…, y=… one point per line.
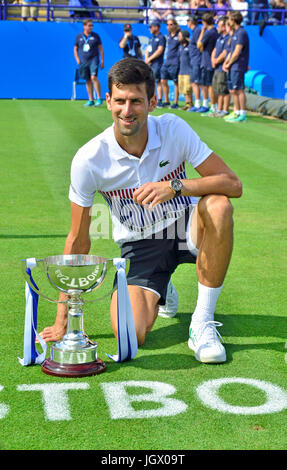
x=73, y=370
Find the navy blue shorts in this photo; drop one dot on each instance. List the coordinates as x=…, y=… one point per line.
x=195, y=76
x=206, y=76
x=235, y=80
x=169, y=72
x=154, y=259
x=88, y=69
x=156, y=71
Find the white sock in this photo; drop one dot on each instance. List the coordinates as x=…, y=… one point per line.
x=197, y=103
x=206, y=303
x=205, y=103
x=242, y=112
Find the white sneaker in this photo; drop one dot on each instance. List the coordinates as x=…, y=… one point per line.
x=204, y=341
x=170, y=308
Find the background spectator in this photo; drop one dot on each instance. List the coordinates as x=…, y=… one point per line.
x=29, y=9
x=259, y=4
x=196, y=6
x=160, y=9
x=154, y=55
x=84, y=13
x=220, y=8
x=181, y=16
x=195, y=59
x=87, y=49
x=206, y=43
x=130, y=44
x=219, y=80
x=170, y=68
x=236, y=65
x=242, y=6
x=184, y=83
x=276, y=17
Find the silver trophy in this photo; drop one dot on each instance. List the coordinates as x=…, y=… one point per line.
x=75, y=355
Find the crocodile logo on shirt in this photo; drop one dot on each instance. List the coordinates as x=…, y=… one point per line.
x=163, y=163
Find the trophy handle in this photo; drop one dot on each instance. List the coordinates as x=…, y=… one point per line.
x=42, y=265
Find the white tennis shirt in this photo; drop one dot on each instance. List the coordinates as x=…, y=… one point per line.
x=102, y=165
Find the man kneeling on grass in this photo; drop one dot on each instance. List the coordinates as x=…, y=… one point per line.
x=139, y=163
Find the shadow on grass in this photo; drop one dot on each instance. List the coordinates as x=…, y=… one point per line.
x=167, y=362
x=168, y=333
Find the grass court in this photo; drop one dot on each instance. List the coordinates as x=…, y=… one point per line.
x=38, y=142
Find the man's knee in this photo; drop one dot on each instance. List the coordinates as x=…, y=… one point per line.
x=216, y=209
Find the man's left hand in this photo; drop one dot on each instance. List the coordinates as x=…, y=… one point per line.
x=151, y=194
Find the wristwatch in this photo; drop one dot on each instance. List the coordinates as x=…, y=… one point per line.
x=176, y=185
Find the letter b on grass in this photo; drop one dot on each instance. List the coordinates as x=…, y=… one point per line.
x=120, y=401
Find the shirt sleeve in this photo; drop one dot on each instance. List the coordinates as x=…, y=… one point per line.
x=98, y=39
x=194, y=149
x=162, y=41
x=77, y=41
x=205, y=38
x=83, y=185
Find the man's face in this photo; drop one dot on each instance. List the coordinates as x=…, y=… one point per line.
x=221, y=27
x=190, y=25
x=153, y=29
x=171, y=26
x=88, y=27
x=231, y=23
x=130, y=106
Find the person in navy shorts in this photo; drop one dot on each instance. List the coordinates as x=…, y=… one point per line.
x=236, y=64
x=154, y=55
x=87, y=48
x=206, y=43
x=195, y=59
x=170, y=68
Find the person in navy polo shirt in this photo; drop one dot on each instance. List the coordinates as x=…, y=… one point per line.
x=170, y=68
x=154, y=55
x=130, y=44
x=184, y=84
x=236, y=64
x=195, y=59
x=87, y=47
x=219, y=81
x=206, y=43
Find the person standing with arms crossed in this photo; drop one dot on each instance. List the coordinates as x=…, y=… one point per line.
x=87, y=47
x=170, y=220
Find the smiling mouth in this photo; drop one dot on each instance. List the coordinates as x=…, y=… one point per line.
x=127, y=120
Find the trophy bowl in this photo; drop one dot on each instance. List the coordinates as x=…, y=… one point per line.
x=75, y=355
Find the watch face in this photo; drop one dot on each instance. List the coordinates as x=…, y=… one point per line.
x=176, y=185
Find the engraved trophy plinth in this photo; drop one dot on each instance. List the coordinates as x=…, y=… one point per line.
x=75, y=355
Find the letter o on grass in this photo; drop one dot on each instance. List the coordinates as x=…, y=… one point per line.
x=276, y=398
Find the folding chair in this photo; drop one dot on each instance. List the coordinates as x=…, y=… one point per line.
x=78, y=81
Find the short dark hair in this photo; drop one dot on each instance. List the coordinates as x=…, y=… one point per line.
x=131, y=71
x=236, y=16
x=208, y=18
